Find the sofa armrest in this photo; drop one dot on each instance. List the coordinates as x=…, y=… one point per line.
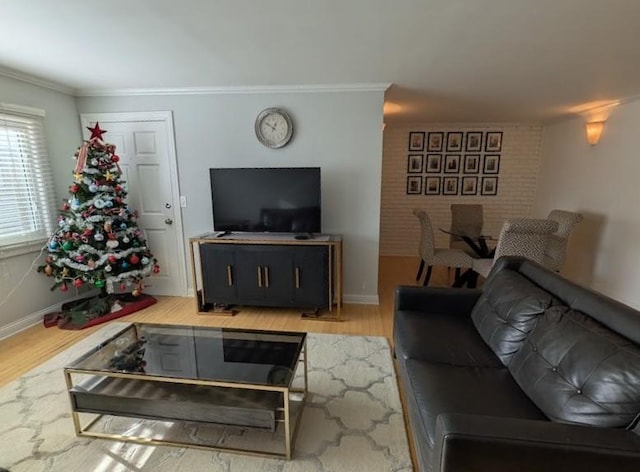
x=474, y=442
x=436, y=299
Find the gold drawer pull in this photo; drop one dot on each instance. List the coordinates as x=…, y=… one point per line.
x=266, y=276
x=229, y=276
x=297, y=277
x=259, y=277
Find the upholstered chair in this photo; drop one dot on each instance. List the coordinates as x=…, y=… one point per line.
x=468, y=220
x=524, y=237
x=556, y=250
x=432, y=256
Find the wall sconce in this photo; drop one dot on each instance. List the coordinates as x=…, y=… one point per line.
x=594, y=130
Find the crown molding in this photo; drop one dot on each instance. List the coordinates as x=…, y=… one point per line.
x=32, y=79
x=363, y=87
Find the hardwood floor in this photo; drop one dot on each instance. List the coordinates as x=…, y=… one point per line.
x=29, y=348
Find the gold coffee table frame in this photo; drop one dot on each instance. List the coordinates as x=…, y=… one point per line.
x=290, y=430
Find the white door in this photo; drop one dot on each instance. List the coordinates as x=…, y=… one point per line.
x=145, y=143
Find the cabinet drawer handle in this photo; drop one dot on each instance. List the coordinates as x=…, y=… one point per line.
x=229, y=276
x=297, y=277
x=259, y=277
x=266, y=276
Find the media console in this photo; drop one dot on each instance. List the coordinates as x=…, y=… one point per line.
x=274, y=270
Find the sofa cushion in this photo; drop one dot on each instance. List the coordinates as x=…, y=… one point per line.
x=440, y=388
x=438, y=337
x=578, y=371
x=507, y=311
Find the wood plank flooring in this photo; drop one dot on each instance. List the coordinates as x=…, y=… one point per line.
x=29, y=348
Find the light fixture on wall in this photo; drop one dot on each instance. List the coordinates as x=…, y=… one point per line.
x=594, y=130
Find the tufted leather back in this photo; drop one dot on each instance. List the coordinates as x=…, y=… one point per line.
x=580, y=361
x=507, y=311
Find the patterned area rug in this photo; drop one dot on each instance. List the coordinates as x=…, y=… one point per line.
x=352, y=420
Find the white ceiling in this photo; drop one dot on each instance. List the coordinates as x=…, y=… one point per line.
x=448, y=60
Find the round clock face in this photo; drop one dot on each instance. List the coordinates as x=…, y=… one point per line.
x=274, y=127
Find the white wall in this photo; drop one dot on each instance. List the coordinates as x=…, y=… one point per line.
x=517, y=180
x=601, y=182
x=337, y=131
x=62, y=128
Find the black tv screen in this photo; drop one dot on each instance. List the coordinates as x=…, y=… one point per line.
x=276, y=199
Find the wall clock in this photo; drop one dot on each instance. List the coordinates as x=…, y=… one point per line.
x=274, y=127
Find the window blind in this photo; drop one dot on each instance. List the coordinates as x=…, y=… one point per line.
x=27, y=197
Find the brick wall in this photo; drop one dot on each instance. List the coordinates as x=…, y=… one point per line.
x=517, y=179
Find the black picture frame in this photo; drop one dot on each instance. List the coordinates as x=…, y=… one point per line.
x=450, y=185
x=489, y=186
x=471, y=164
x=454, y=141
x=469, y=186
x=433, y=164
x=414, y=164
x=493, y=141
x=452, y=163
x=416, y=141
x=491, y=164
x=414, y=185
x=473, y=141
x=432, y=185
x=435, y=143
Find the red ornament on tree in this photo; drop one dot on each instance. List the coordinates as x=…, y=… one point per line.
x=96, y=132
x=156, y=269
x=64, y=288
x=134, y=259
x=77, y=282
x=115, y=158
x=65, y=206
x=74, y=188
x=112, y=259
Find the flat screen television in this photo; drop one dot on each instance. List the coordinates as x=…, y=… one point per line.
x=274, y=199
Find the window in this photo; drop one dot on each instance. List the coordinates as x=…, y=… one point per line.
x=27, y=198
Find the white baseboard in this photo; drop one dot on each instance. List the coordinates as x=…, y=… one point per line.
x=347, y=298
x=361, y=299
x=26, y=322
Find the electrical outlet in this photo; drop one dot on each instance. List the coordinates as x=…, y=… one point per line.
x=183, y=201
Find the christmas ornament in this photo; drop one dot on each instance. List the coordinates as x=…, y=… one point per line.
x=125, y=240
x=74, y=188
x=118, y=200
x=124, y=265
x=112, y=244
x=48, y=270
x=80, y=258
x=98, y=203
x=75, y=204
x=65, y=271
x=64, y=288
x=96, y=132
x=108, y=176
x=107, y=226
x=123, y=286
x=53, y=245
x=78, y=282
x=108, y=203
x=65, y=206
x=145, y=260
x=91, y=264
x=134, y=259
x=156, y=269
x=115, y=158
x=112, y=236
x=99, y=283
x=112, y=259
x=99, y=237
x=123, y=225
x=108, y=268
x=67, y=245
x=94, y=162
x=93, y=188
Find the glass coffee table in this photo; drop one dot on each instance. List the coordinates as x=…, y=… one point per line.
x=192, y=386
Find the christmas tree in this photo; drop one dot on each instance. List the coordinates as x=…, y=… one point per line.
x=98, y=241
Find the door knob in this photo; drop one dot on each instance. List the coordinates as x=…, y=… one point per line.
x=168, y=221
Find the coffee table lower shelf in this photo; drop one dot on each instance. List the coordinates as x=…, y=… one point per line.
x=186, y=413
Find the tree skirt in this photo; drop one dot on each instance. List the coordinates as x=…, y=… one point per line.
x=121, y=305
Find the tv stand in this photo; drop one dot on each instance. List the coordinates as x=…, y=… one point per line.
x=268, y=269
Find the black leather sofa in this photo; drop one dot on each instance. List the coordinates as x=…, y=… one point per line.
x=530, y=373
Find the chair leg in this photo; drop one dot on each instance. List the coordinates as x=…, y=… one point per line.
x=473, y=280
x=420, y=269
x=457, y=276
x=428, y=276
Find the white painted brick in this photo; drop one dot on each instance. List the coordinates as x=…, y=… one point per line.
x=517, y=180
